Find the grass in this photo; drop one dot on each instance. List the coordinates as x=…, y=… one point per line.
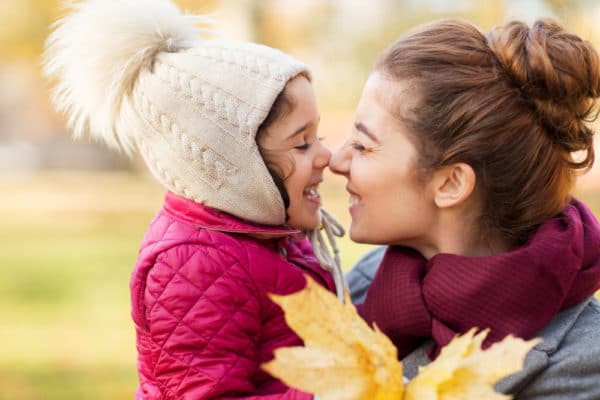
x=68, y=244
x=57, y=382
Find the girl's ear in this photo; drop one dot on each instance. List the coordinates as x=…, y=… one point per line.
x=453, y=185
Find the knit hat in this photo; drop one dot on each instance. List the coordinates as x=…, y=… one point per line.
x=135, y=74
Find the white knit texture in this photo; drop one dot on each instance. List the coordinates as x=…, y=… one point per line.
x=96, y=52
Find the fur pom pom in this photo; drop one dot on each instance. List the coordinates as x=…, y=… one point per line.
x=95, y=54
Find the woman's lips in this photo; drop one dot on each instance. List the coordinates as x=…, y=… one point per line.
x=354, y=200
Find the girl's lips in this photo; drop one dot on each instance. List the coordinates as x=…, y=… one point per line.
x=312, y=194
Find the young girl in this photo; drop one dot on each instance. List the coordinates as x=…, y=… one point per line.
x=462, y=163
x=230, y=129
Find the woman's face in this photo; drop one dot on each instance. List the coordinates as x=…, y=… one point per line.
x=298, y=154
x=388, y=203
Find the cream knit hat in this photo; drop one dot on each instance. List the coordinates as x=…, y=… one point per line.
x=136, y=75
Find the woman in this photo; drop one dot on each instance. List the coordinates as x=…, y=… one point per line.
x=462, y=162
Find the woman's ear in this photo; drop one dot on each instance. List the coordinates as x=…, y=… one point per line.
x=453, y=185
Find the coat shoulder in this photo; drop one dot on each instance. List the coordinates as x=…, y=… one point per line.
x=359, y=278
x=565, y=365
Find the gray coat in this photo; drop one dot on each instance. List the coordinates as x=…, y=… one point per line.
x=565, y=366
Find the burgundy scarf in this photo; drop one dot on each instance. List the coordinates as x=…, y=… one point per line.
x=518, y=292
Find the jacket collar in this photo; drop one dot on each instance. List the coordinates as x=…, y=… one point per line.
x=209, y=218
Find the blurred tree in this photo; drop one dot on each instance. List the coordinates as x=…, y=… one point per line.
x=487, y=14
x=579, y=16
x=26, y=24
x=558, y=5
x=367, y=37
x=285, y=25
x=198, y=6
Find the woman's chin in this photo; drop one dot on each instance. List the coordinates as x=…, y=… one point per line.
x=358, y=236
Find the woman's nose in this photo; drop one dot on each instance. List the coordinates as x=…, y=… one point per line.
x=340, y=160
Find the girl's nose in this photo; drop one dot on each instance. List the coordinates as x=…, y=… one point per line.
x=340, y=161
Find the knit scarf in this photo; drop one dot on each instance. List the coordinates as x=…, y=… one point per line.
x=518, y=292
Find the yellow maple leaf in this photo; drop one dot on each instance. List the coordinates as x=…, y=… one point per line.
x=342, y=358
x=464, y=370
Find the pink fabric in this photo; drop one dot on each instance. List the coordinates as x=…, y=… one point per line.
x=203, y=320
x=517, y=292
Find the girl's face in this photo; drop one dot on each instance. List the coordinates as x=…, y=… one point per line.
x=388, y=203
x=298, y=154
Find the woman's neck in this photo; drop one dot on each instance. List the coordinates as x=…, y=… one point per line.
x=461, y=236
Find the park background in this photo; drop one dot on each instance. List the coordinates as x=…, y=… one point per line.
x=72, y=214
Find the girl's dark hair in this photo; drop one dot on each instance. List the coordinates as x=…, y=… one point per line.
x=514, y=104
x=282, y=106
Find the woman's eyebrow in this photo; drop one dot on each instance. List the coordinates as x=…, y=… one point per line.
x=362, y=128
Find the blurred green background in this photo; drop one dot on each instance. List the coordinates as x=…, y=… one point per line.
x=72, y=214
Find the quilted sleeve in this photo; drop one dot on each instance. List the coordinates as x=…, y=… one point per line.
x=204, y=319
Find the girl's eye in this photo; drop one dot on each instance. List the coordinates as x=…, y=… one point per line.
x=304, y=146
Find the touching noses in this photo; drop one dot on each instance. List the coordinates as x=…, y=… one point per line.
x=340, y=161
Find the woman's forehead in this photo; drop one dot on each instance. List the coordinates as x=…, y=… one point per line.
x=393, y=97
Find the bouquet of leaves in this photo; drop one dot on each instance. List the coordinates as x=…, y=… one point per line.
x=344, y=359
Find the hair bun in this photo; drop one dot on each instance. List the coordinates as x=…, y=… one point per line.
x=558, y=73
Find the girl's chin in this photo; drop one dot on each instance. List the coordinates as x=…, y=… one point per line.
x=306, y=223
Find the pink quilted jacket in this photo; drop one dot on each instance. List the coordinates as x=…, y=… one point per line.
x=199, y=301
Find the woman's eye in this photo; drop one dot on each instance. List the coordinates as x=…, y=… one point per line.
x=357, y=146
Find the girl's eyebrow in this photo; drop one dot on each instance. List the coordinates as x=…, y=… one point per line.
x=302, y=129
x=362, y=128
x=299, y=130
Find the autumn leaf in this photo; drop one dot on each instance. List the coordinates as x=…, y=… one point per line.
x=343, y=358
x=464, y=370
